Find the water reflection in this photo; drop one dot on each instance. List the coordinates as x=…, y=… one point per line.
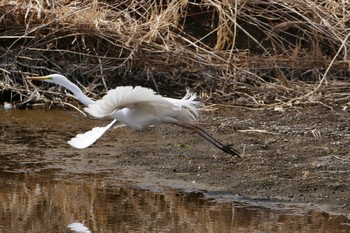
x=39, y=202
x=79, y=227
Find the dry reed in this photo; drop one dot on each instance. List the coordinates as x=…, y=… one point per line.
x=253, y=53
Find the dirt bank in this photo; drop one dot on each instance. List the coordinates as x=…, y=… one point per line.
x=299, y=155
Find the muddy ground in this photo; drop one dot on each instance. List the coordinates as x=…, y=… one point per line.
x=299, y=154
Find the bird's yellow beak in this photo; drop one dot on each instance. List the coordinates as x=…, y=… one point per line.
x=39, y=78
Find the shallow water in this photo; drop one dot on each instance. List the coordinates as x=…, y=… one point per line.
x=45, y=185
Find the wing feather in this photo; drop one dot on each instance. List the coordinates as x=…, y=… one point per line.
x=123, y=97
x=82, y=141
x=188, y=105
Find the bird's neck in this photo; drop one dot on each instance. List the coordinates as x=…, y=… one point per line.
x=78, y=93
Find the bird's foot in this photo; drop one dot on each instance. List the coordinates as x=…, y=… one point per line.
x=230, y=150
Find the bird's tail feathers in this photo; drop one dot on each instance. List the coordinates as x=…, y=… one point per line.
x=189, y=103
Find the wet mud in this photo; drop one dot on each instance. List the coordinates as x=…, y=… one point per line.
x=296, y=157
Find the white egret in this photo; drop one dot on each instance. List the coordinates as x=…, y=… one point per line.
x=138, y=108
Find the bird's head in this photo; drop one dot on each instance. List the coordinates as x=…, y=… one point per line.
x=52, y=78
x=64, y=82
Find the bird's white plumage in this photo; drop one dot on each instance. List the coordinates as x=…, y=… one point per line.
x=187, y=103
x=82, y=141
x=139, y=107
x=123, y=97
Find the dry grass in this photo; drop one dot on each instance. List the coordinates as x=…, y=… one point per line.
x=253, y=53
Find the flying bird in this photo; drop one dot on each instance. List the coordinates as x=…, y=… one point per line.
x=137, y=107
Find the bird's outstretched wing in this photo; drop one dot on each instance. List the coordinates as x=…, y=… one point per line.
x=123, y=97
x=82, y=141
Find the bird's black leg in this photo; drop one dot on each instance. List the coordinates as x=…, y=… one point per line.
x=200, y=131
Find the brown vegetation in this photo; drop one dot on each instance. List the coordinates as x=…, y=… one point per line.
x=252, y=53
